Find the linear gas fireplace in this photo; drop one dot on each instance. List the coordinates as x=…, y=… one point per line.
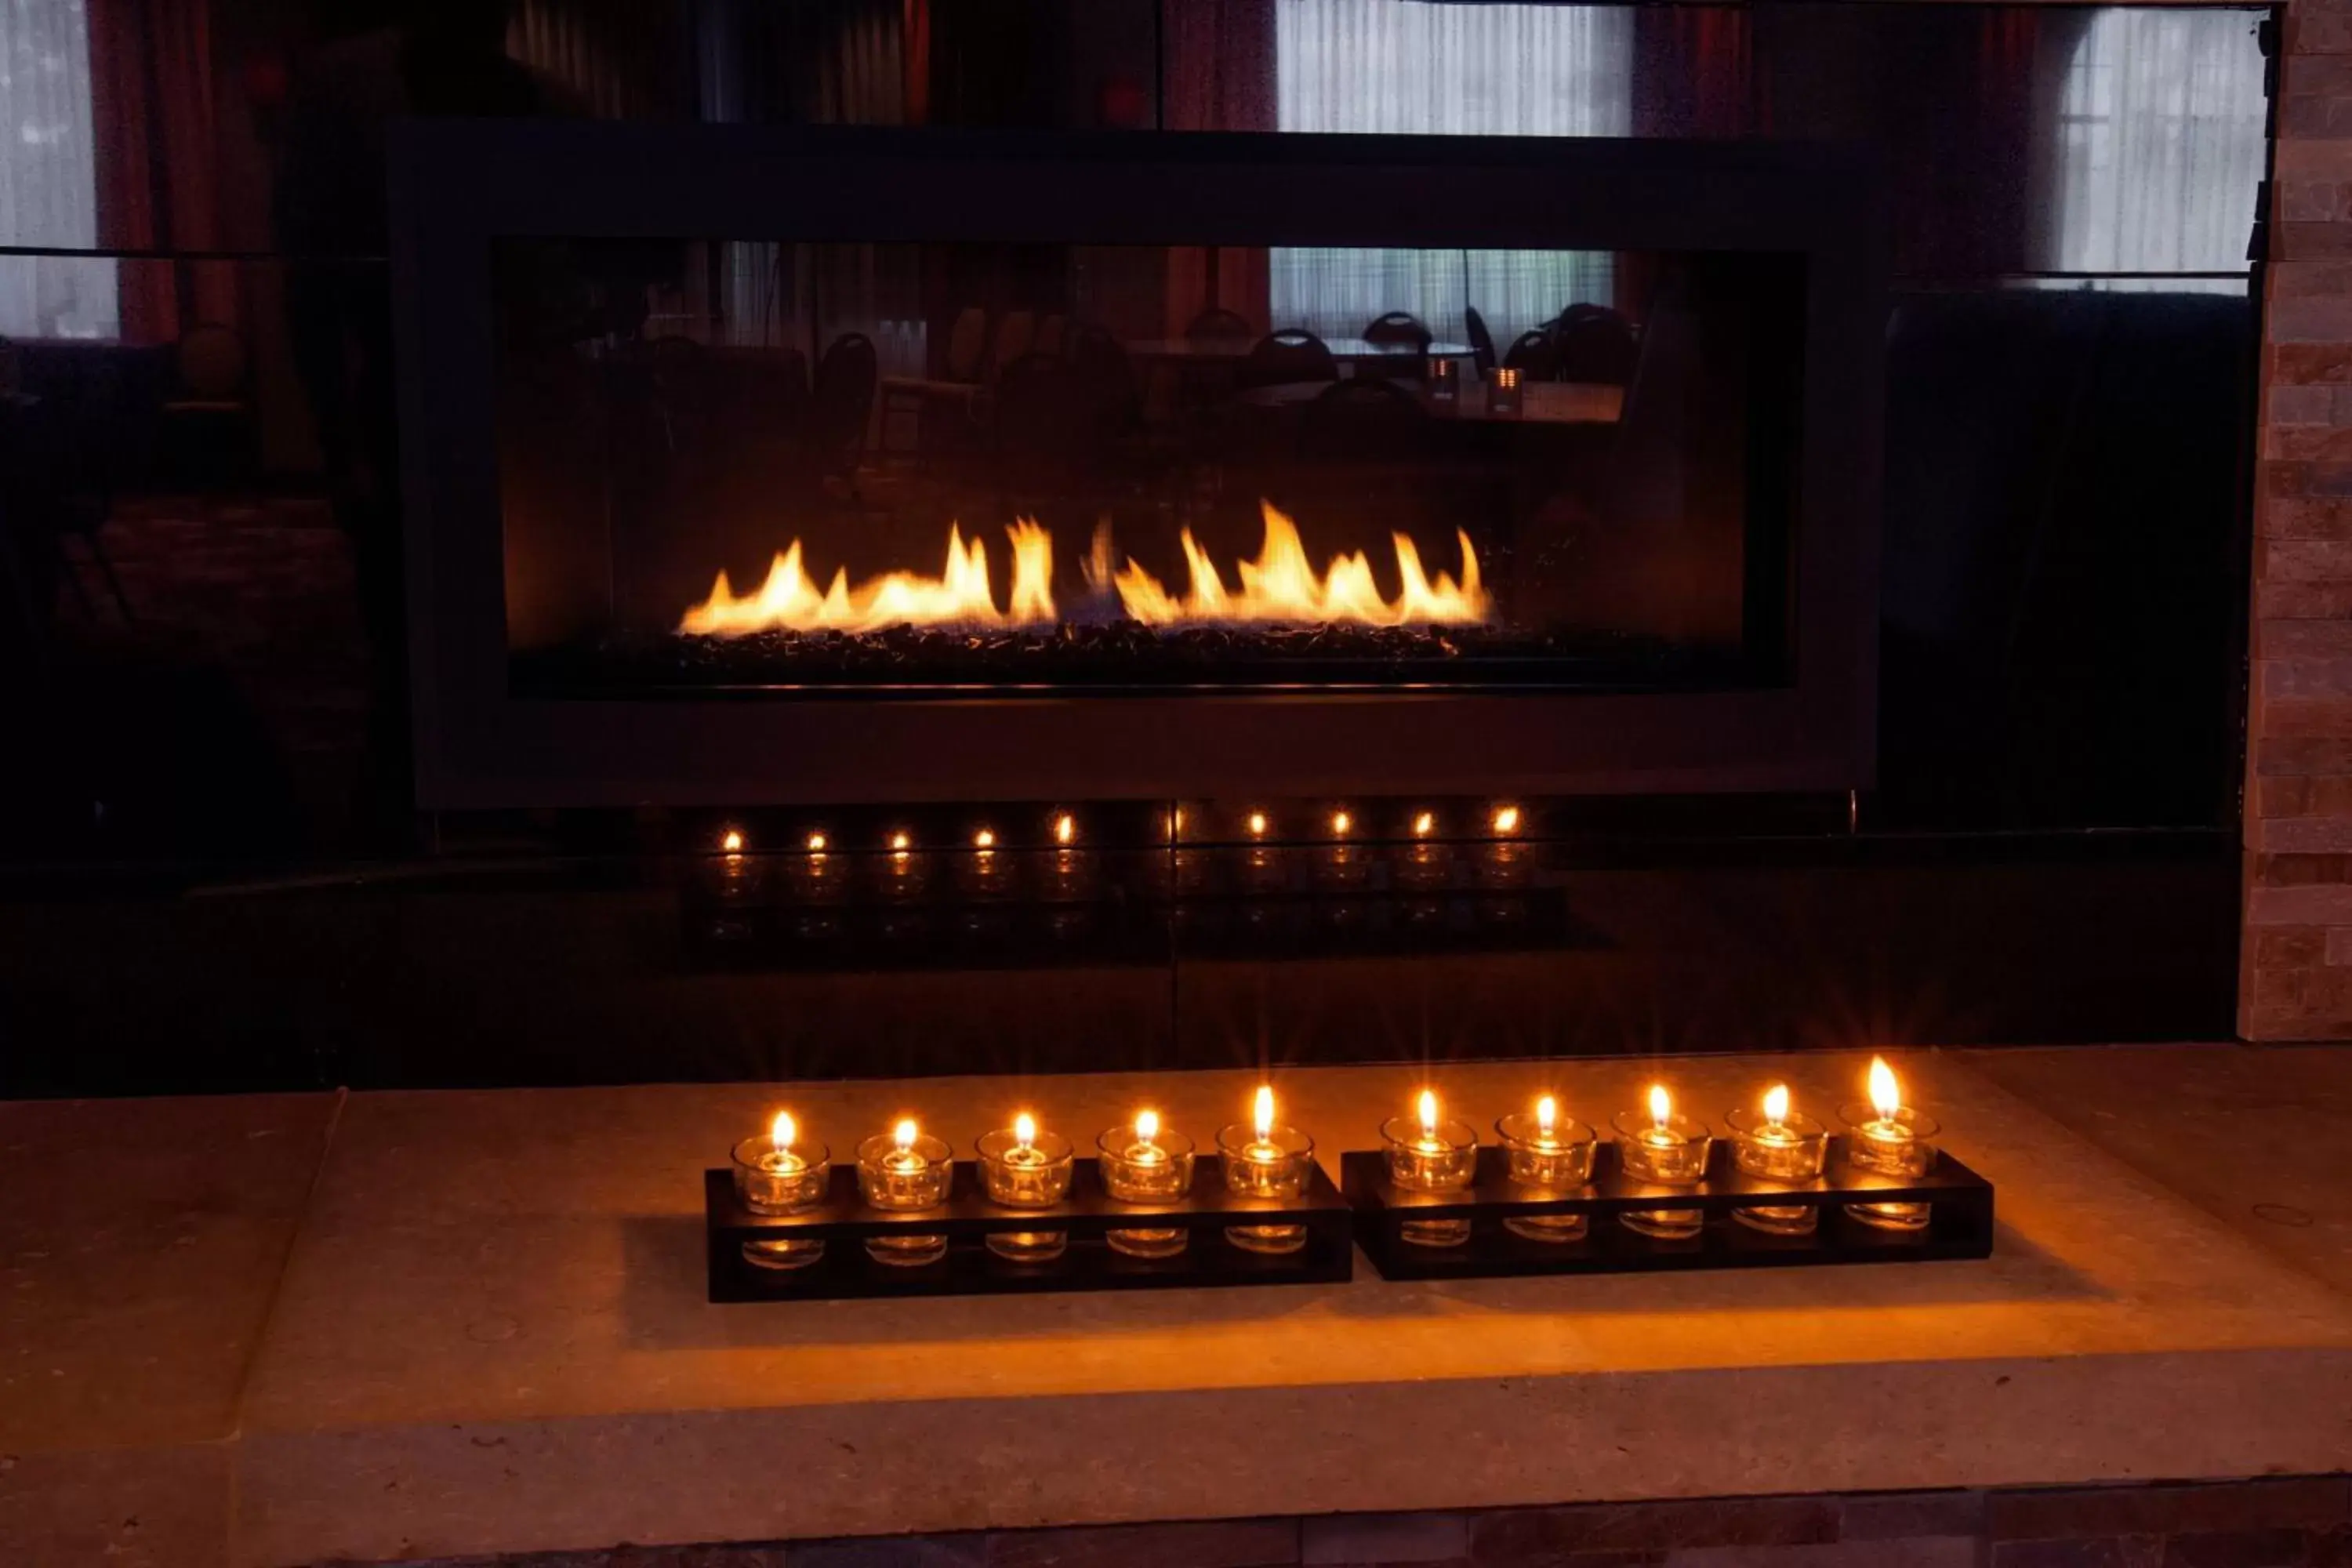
x=761, y=466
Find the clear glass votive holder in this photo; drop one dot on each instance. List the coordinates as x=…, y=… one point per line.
x=1136, y=1171
x=1901, y=1146
x=1790, y=1150
x=1034, y=1175
x=905, y=1181
x=1553, y=1162
x=1505, y=397
x=1442, y=378
x=1672, y=1154
x=770, y=1178
x=1274, y=1166
x=1444, y=1159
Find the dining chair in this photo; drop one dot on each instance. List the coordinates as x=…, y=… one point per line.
x=1533, y=354
x=1399, y=327
x=967, y=340
x=1482, y=341
x=1594, y=344
x=1289, y=355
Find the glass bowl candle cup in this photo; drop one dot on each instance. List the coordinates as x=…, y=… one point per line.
x=779, y=1174
x=1146, y=1164
x=1662, y=1149
x=1429, y=1154
x=1549, y=1156
x=904, y=1170
x=1024, y=1168
x=1265, y=1160
x=1778, y=1145
x=1888, y=1138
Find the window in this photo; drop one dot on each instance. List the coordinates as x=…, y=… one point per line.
x=1406, y=66
x=48, y=177
x=2160, y=145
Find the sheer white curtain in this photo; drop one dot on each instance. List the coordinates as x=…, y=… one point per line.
x=48, y=178
x=2161, y=144
x=1416, y=68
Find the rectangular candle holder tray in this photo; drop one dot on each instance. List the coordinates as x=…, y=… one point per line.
x=844, y=1222
x=1959, y=1224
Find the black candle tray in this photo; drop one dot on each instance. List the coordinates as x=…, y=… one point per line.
x=844, y=1222
x=1960, y=1224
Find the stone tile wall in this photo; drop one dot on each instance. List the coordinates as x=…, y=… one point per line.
x=2277, y=1522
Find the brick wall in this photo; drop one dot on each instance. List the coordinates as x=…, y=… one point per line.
x=2295, y=971
x=2281, y=1522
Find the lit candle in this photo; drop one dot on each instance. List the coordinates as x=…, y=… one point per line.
x=1341, y=823
x=1425, y=824
x=1892, y=1140
x=1271, y=1163
x=775, y=1175
x=1142, y=1164
x=1667, y=1149
x=1546, y=1122
x=907, y=1169
x=1507, y=819
x=1777, y=1145
x=1549, y=1156
x=1431, y=1156
x=732, y=842
x=1065, y=828
x=899, y=842
x=984, y=841
x=1660, y=1133
x=904, y=1159
x=1022, y=1167
x=816, y=842
x=782, y=1159
x=1256, y=825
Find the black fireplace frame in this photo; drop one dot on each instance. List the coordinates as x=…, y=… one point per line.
x=457, y=187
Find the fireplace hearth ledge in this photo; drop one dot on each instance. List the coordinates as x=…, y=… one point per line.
x=489, y=1333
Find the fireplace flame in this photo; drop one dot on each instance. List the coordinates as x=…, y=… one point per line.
x=957, y=597
x=1280, y=587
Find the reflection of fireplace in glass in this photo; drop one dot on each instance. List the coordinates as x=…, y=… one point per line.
x=719, y=512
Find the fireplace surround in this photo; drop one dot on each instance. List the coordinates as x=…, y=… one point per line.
x=1788, y=707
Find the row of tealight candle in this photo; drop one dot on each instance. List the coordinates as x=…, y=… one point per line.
x=908, y=1171
x=1549, y=1155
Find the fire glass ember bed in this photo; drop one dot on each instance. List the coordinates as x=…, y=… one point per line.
x=759, y=466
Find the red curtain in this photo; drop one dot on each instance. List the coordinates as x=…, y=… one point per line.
x=151, y=111
x=1220, y=65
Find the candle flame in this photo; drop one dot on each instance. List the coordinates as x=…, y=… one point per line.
x=1429, y=1113
x=898, y=842
x=1147, y=1126
x=1425, y=824
x=1776, y=1103
x=1341, y=823
x=1262, y=1114
x=1546, y=1112
x=732, y=842
x=782, y=1132
x=1662, y=1105
x=1025, y=1129
x=1507, y=819
x=1258, y=823
x=1065, y=828
x=816, y=843
x=984, y=839
x=905, y=1134
x=1885, y=1094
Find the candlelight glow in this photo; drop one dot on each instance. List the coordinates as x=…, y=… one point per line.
x=984, y=839
x=1341, y=823
x=1262, y=1113
x=1025, y=1129
x=1662, y=1105
x=1065, y=828
x=905, y=1134
x=1776, y=1103
x=1507, y=819
x=1425, y=824
x=1546, y=1114
x=816, y=843
x=1429, y=1113
x=732, y=843
x=1885, y=1094
x=898, y=842
x=782, y=1132
x=1258, y=823
x=1147, y=1126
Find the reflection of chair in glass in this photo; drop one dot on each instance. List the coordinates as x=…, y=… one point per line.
x=1399, y=328
x=1217, y=324
x=840, y=405
x=210, y=435
x=1482, y=341
x=1364, y=420
x=1533, y=354
x=1289, y=355
x=1594, y=344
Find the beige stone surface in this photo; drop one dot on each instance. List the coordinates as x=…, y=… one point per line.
x=492, y=1335
x=2258, y=1136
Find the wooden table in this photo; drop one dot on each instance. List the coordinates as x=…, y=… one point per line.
x=1542, y=402
x=1345, y=349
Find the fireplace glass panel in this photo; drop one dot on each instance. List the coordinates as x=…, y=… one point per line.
x=985, y=469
